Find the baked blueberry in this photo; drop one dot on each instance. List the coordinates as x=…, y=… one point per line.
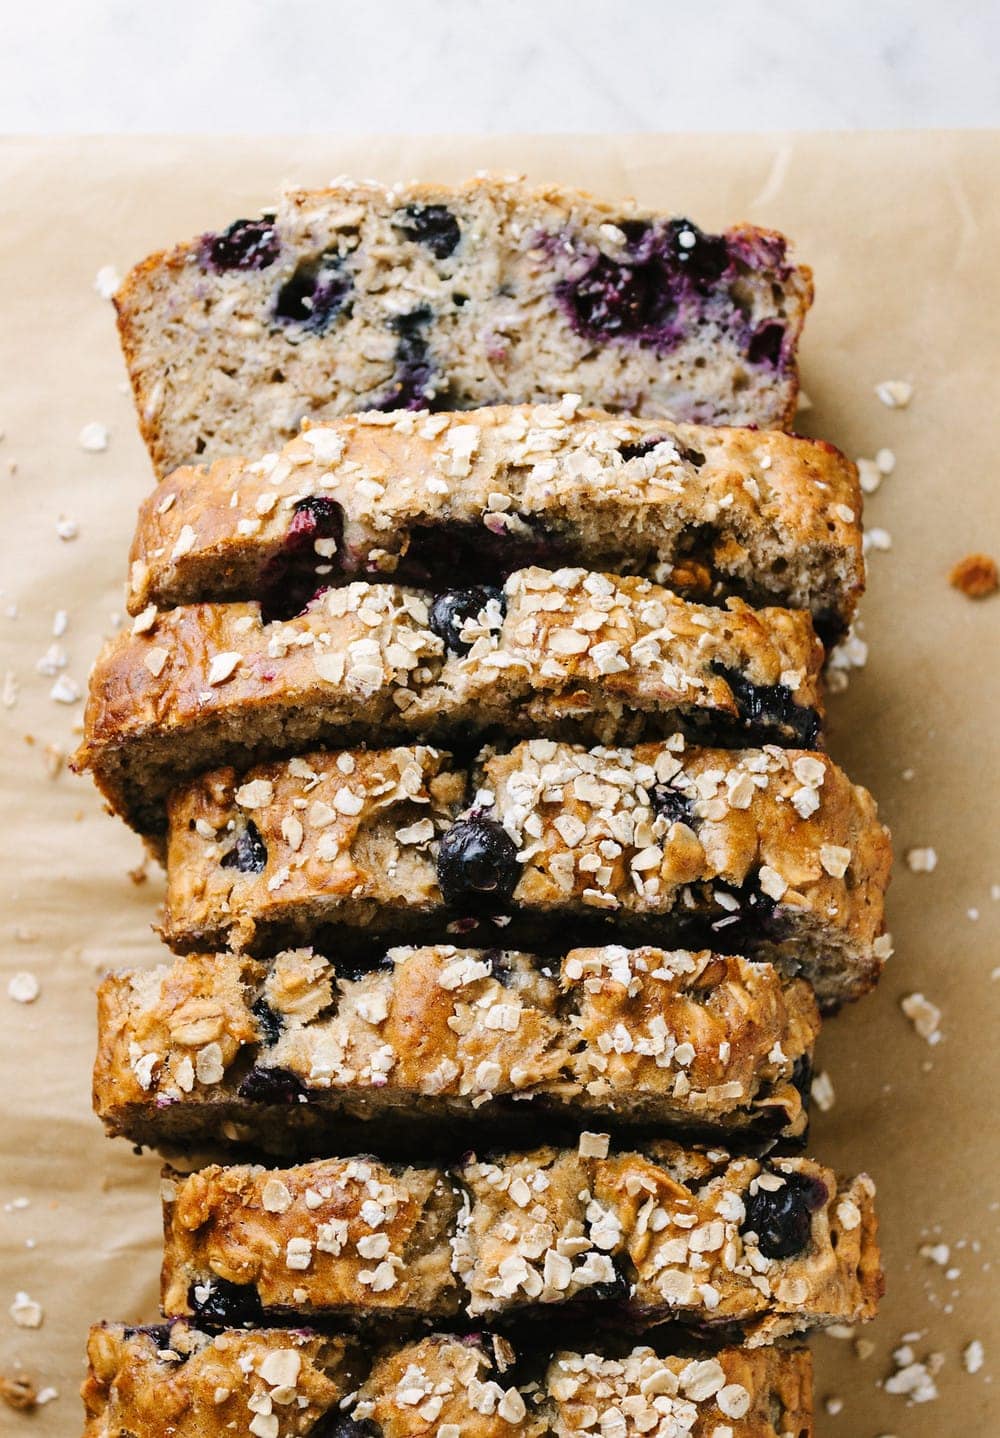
x=765, y=343
x=432, y=225
x=413, y=384
x=770, y=710
x=636, y=451
x=315, y=518
x=230, y=1305
x=618, y=300
x=671, y=804
x=452, y=610
x=477, y=864
x=246, y=245
x=316, y=293
x=277, y=1085
x=702, y=258
x=781, y=1217
x=249, y=853
x=268, y=1022
x=334, y=1424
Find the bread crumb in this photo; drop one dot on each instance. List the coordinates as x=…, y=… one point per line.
x=834, y=1406
x=107, y=281
x=18, y=1392
x=976, y=576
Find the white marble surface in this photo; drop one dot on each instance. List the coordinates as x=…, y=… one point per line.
x=267, y=66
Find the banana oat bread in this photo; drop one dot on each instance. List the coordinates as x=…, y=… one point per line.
x=771, y=852
x=569, y=653
x=293, y=1383
x=762, y=1250
x=451, y=500
x=436, y=297
x=225, y=1050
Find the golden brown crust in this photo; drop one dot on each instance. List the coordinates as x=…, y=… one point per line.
x=350, y=1237
x=644, y=1036
x=443, y=1385
x=211, y=364
x=776, y=850
x=572, y=654
x=334, y=1237
x=708, y=510
x=273, y=1383
x=748, y=1393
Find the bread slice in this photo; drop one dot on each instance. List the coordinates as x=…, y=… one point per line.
x=452, y=500
x=759, y=1249
x=568, y=653
x=469, y=1386
x=438, y=297
x=432, y=1045
x=772, y=852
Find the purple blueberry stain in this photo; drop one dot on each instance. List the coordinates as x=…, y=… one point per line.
x=667, y=281
x=316, y=294
x=433, y=226
x=414, y=384
x=268, y=1022
x=245, y=245
x=477, y=864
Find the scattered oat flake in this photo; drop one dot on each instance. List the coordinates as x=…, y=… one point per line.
x=67, y=528
x=921, y=861
x=94, y=437
x=65, y=690
x=923, y=1015
x=26, y=1312
x=834, y=1406
x=938, y=1253
x=23, y=987
x=107, y=281
x=976, y=576
x=895, y=393
x=877, y=539
x=973, y=1356
x=822, y=1091
x=10, y=689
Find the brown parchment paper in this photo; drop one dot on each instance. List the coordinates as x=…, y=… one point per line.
x=903, y=232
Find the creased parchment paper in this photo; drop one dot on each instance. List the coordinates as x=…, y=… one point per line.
x=904, y=235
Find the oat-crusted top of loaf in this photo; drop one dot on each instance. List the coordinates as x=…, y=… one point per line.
x=683, y=1037
x=569, y=653
x=782, y=514
x=747, y=1393
x=612, y=830
x=336, y=1234
x=702, y=1235
x=274, y=1383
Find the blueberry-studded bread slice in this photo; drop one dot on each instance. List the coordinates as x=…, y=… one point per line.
x=293, y=1383
x=428, y=297
x=439, y=1042
x=174, y=1379
x=567, y=653
x=769, y=852
x=344, y=1237
x=759, y=1250
x=459, y=499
